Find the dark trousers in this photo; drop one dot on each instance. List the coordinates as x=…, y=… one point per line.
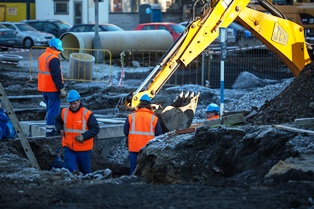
x=77, y=160
x=53, y=102
x=133, y=159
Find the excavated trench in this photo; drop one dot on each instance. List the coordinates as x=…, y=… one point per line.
x=296, y=101
x=248, y=166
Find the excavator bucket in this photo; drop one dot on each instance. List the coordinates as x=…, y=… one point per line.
x=180, y=114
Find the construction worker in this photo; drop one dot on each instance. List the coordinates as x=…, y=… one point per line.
x=140, y=127
x=50, y=83
x=78, y=127
x=212, y=111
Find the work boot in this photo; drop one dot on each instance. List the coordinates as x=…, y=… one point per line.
x=76, y=173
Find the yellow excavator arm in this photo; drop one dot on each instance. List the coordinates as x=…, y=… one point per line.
x=282, y=36
x=197, y=36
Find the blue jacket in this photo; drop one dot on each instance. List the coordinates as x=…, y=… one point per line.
x=54, y=66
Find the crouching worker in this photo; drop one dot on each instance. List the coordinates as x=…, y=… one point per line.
x=78, y=127
x=212, y=111
x=140, y=127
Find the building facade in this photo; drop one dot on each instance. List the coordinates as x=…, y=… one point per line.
x=17, y=10
x=72, y=11
x=132, y=5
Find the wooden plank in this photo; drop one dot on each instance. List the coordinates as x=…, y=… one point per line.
x=22, y=137
x=185, y=131
x=287, y=128
x=181, y=131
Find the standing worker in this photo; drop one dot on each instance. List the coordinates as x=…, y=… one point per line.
x=139, y=128
x=78, y=127
x=212, y=111
x=50, y=83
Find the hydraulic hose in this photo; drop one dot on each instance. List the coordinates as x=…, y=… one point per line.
x=271, y=8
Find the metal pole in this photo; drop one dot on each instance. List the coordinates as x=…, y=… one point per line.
x=28, y=8
x=203, y=67
x=96, y=41
x=222, y=32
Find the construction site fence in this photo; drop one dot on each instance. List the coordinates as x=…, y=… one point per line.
x=205, y=69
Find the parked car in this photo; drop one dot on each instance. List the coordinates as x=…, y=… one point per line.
x=28, y=36
x=55, y=27
x=91, y=28
x=231, y=34
x=239, y=28
x=175, y=29
x=7, y=37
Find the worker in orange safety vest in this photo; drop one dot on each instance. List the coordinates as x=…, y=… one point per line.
x=78, y=127
x=140, y=127
x=50, y=83
x=212, y=111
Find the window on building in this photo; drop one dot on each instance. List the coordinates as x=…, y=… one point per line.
x=61, y=7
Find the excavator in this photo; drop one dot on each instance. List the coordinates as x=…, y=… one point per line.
x=281, y=35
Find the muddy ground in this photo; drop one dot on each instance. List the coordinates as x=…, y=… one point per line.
x=245, y=187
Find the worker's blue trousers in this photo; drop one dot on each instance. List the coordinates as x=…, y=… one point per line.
x=133, y=159
x=77, y=160
x=53, y=102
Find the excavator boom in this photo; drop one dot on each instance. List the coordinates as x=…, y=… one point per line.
x=282, y=36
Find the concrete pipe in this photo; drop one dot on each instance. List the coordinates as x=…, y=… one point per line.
x=81, y=66
x=116, y=41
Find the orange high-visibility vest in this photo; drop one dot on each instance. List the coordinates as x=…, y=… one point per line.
x=45, y=82
x=74, y=125
x=213, y=117
x=142, y=128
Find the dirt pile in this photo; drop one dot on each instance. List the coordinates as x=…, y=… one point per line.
x=295, y=101
x=216, y=156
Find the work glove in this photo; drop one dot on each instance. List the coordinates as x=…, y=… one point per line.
x=63, y=93
x=79, y=138
x=62, y=132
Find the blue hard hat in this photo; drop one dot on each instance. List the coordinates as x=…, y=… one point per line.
x=56, y=43
x=146, y=98
x=73, y=96
x=212, y=107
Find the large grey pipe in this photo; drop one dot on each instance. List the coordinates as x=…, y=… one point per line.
x=116, y=41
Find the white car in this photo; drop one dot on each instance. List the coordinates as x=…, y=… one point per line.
x=7, y=37
x=28, y=36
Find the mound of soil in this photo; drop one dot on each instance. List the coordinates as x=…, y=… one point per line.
x=296, y=101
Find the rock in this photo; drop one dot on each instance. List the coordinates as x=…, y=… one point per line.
x=247, y=80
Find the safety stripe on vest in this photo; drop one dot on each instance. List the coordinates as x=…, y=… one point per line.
x=47, y=64
x=75, y=130
x=150, y=133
